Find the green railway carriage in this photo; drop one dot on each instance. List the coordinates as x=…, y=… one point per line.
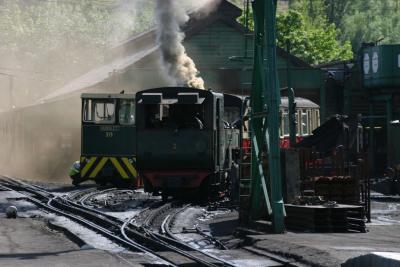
x=108, y=149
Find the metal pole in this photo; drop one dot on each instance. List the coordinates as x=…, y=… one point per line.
x=264, y=117
x=291, y=104
x=257, y=106
x=292, y=117
x=272, y=101
x=388, y=131
x=371, y=139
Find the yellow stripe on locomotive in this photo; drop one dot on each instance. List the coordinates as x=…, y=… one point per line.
x=108, y=167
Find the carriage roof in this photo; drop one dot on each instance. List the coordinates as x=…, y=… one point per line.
x=300, y=103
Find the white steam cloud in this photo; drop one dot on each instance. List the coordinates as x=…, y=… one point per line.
x=178, y=66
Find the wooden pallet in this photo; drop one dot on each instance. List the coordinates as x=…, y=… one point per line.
x=319, y=218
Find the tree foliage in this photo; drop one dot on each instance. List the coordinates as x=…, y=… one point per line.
x=358, y=20
x=314, y=43
x=369, y=21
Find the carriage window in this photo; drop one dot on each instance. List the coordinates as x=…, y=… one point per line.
x=127, y=112
x=285, y=122
x=87, y=110
x=310, y=121
x=304, y=122
x=99, y=111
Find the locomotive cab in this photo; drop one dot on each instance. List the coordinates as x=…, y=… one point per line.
x=108, y=148
x=181, y=142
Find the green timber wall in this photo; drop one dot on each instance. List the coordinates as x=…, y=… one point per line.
x=213, y=49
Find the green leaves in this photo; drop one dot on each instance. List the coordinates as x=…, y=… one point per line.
x=371, y=20
x=312, y=43
x=358, y=20
x=315, y=43
x=327, y=30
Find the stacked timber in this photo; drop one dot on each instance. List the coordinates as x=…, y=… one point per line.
x=342, y=189
x=320, y=218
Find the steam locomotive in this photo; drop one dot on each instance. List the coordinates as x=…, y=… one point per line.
x=184, y=141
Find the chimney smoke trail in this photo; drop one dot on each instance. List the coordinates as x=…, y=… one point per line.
x=178, y=66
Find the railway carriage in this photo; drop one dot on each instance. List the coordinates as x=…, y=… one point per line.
x=306, y=117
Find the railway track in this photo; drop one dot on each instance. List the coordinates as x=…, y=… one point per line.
x=164, y=217
x=169, y=220
x=110, y=199
x=78, y=194
x=136, y=238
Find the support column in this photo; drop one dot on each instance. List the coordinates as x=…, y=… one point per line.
x=291, y=104
x=389, y=142
x=292, y=117
x=257, y=107
x=273, y=122
x=264, y=116
x=371, y=138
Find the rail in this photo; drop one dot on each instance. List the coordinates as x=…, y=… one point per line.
x=135, y=238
